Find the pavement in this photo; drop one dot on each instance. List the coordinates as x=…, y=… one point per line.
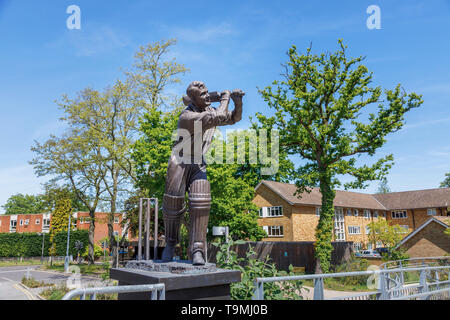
x=11, y=289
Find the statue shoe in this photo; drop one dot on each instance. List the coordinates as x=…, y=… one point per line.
x=197, y=254
x=168, y=252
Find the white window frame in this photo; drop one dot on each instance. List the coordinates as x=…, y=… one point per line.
x=431, y=211
x=276, y=211
x=275, y=231
x=46, y=223
x=366, y=214
x=339, y=224
x=354, y=230
x=348, y=212
x=375, y=214
x=367, y=230
x=357, y=246
x=355, y=212
x=116, y=220
x=13, y=224
x=37, y=221
x=27, y=222
x=399, y=214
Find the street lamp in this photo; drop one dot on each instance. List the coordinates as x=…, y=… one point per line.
x=66, y=260
x=43, y=238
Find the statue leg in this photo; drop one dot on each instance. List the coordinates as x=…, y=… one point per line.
x=173, y=209
x=199, y=207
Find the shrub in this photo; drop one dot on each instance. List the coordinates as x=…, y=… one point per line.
x=98, y=252
x=251, y=268
x=354, y=264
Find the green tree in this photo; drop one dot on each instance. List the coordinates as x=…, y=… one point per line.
x=446, y=182
x=60, y=221
x=383, y=187
x=322, y=112
x=24, y=204
x=76, y=159
x=388, y=235
x=53, y=193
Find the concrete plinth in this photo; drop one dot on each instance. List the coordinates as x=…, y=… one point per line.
x=182, y=280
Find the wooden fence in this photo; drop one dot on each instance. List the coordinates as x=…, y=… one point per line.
x=299, y=254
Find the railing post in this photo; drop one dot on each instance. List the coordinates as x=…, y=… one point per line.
x=383, y=286
x=318, y=289
x=436, y=275
x=423, y=282
x=259, y=291
x=402, y=276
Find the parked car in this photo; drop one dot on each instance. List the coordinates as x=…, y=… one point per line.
x=382, y=251
x=370, y=254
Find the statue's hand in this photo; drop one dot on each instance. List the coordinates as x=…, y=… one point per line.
x=237, y=95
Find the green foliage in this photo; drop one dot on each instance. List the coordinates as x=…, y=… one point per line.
x=323, y=114
x=397, y=254
x=60, y=220
x=98, y=252
x=33, y=283
x=383, y=186
x=54, y=193
x=30, y=244
x=252, y=268
x=388, y=235
x=446, y=182
x=354, y=264
x=24, y=204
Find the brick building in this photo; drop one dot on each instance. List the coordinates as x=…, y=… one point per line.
x=429, y=240
x=286, y=217
x=41, y=222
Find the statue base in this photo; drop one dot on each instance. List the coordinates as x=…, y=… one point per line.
x=182, y=280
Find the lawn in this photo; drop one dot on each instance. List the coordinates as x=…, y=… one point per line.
x=99, y=270
x=18, y=262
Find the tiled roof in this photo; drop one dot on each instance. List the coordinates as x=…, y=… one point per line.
x=417, y=199
x=396, y=200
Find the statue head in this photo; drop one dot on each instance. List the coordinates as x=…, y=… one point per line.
x=198, y=93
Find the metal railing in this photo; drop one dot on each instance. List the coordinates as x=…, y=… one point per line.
x=388, y=287
x=424, y=261
x=156, y=291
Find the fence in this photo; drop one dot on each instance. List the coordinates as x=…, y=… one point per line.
x=390, y=284
x=156, y=291
x=285, y=253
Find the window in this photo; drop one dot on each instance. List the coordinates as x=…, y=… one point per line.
x=13, y=224
x=21, y=222
x=367, y=230
x=431, y=212
x=375, y=214
x=269, y=212
x=355, y=212
x=369, y=247
x=339, y=226
x=116, y=220
x=38, y=221
x=27, y=222
x=383, y=214
x=349, y=212
x=275, y=211
x=318, y=211
x=274, y=231
x=399, y=214
x=116, y=233
x=45, y=223
x=357, y=246
x=367, y=214
x=354, y=230
x=81, y=220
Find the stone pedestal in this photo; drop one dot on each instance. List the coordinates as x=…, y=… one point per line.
x=182, y=280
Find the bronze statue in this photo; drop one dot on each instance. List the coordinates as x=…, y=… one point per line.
x=190, y=176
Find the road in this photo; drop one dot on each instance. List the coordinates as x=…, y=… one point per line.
x=11, y=276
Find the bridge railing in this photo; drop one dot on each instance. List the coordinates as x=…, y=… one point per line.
x=156, y=291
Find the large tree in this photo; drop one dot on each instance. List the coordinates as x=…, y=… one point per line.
x=446, y=182
x=24, y=204
x=323, y=111
x=75, y=159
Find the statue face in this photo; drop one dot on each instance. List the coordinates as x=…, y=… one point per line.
x=200, y=97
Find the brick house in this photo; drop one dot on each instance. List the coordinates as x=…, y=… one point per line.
x=429, y=240
x=286, y=217
x=30, y=223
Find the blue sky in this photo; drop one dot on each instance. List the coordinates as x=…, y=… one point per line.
x=237, y=45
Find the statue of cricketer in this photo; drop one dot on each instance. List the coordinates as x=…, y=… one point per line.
x=190, y=176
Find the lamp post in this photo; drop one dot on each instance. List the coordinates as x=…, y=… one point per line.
x=42, y=253
x=66, y=260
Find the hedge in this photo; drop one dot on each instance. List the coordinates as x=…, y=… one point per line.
x=30, y=244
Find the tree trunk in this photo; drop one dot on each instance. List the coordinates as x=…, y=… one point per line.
x=324, y=231
x=91, y=256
